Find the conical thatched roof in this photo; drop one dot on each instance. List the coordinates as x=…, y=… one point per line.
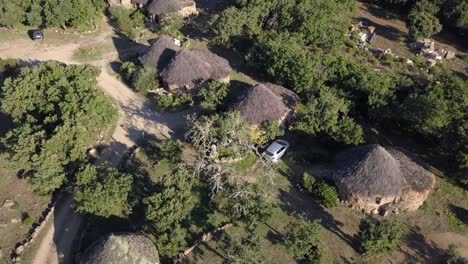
x=160, y=53
x=192, y=67
x=371, y=170
x=165, y=7
x=125, y=248
x=220, y=67
x=265, y=102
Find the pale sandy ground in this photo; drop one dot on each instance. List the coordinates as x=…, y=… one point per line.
x=137, y=119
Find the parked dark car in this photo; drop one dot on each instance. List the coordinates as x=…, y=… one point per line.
x=36, y=34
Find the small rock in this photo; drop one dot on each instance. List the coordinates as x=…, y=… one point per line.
x=15, y=220
x=19, y=249
x=17, y=259
x=8, y=204
x=375, y=211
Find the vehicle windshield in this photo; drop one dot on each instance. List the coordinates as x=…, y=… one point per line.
x=268, y=153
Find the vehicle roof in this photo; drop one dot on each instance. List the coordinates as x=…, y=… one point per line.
x=277, y=145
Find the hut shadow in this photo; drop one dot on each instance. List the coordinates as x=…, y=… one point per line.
x=127, y=49
x=295, y=201
x=419, y=250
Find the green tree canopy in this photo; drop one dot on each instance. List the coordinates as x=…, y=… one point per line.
x=103, y=191
x=423, y=22
x=382, y=237
x=58, y=113
x=302, y=239
x=328, y=115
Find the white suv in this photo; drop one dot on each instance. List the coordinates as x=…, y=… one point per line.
x=276, y=150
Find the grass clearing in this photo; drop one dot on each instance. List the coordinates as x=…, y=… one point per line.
x=88, y=54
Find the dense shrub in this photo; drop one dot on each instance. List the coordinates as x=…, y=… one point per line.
x=141, y=79
x=302, y=240
x=103, y=191
x=322, y=191
x=57, y=113
x=452, y=256
x=212, y=97
x=144, y=80
x=379, y=237
x=128, y=20
x=81, y=14
x=173, y=101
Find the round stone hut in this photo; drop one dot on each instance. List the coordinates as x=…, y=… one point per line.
x=375, y=179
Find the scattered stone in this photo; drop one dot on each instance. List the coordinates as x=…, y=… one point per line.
x=15, y=220
x=19, y=249
x=8, y=204
x=375, y=211
x=450, y=55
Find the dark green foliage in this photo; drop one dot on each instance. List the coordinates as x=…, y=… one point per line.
x=432, y=109
x=34, y=16
x=308, y=181
x=171, y=26
x=145, y=80
x=103, y=191
x=57, y=113
x=212, y=97
x=322, y=191
x=242, y=251
x=302, y=240
x=379, y=237
x=326, y=194
x=141, y=79
x=422, y=20
x=169, y=207
x=328, y=115
x=128, y=20
x=284, y=59
x=268, y=131
x=80, y=14
x=11, y=13
x=174, y=101
x=315, y=22
x=171, y=150
x=246, y=202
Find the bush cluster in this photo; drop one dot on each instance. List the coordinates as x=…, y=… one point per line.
x=322, y=191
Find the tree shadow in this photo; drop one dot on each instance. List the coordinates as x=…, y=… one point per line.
x=419, y=250
x=460, y=213
x=127, y=49
x=298, y=202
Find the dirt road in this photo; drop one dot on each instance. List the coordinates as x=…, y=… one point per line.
x=136, y=120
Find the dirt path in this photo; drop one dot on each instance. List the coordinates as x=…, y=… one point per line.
x=136, y=120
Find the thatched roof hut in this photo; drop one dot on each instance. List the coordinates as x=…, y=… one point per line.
x=161, y=8
x=190, y=68
x=375, y=179
x=121, y=248
x=160, y=53
x=265, y=102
